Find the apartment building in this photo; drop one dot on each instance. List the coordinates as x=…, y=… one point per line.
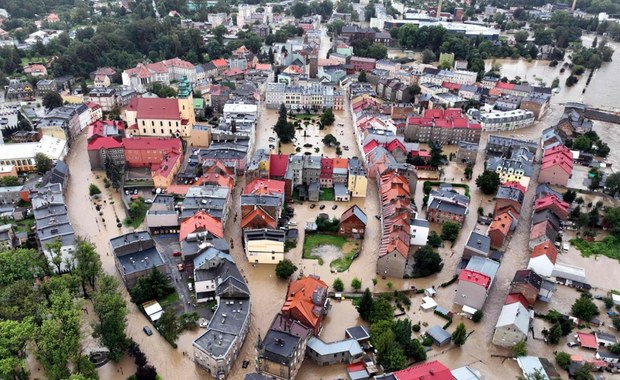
x=315, y=96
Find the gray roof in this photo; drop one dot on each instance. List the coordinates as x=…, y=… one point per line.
x=484, y=266
x=466, y=373
x=605, y=336
x=514, y=314
x=128, y=238
x=419, y=222
x=439, y=335
x=509, y=141
x=569, y=272
x=479, y=242
x=333, y=348
x=509, y=192
x=262, y=200
x=513, y=163
x=448, y=207
x=224, y=327
x=279, y=346
x=140, y=260
x=264, y=233
x=358, y=332
x=530, y=365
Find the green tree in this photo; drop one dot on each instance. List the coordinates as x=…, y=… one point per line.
x=584, y=308
x=111, y=310
x=616, y=322
x=330, y=140
x=415, y=350
x=150, y=287
x=52, y=100
x=87, y=264
x=163, y=91
x=582, y=143
x=562, y=359
x=488, y=182
x=554, y=334
x=285, y=269
x=450, y=231
x=615, y=348
x=469, y=171
x=477, y=317
x=521, y=36
x=434, y=240
x=394, y=358
x=377, y=51
x=612, y=184
x=459, y=336
x=362, y=77
x=426, y=262
x=402, y=331
x=93, y=190
x=584, y=372
x=519, y=349
x=85, y=368
x=364, y=306
x=381, y=335
x=356, y=283
x=58, y=341
x=43, y=163
x=14, y=337
x=338, y=285
x=9, y=181
x=328, y=118
x=569, y=196
x=428, y=56
x=283, y=128
x=169, y=326
x=381, y=310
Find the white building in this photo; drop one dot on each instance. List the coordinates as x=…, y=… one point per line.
x=503, y=120
x=419, y=232
x=22, y=155
x=512, y=326
x=315, y=96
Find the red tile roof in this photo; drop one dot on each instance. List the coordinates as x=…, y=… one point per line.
x=341, y=163
x=504, y=85
x=177, y=62
x=451, y=86
x=262, y=215
x=546, y=248
x=278, y=163
x=551, y=201
x=219, y=63
x=558, y=156
x=370, y=146
x=199, y=222
x=98, y=143
x=501, y=223
x=215, y=179
x=97, y=128
x=299, y=301
x=327, y=167
x=587, y=340
x=166, y=166
x=265, y=187
x=155, y=108
x=475, y=277
x=433, y=370
x=516, y=297
x=159, y=143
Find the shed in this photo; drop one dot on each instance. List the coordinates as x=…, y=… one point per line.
x=440, y=336
x=430, y=292
x=469, y=311
x=616, y=299
x=586, y=340
x=428, y=304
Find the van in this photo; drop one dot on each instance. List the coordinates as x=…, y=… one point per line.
x=565, y=247
x=292, y=223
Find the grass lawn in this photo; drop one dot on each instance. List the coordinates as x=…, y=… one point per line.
x=24, y=225
x=313, y=241
x=305, y=116
x=169, y=299
x=609, y=246
x=327, y=195
x=343, y=263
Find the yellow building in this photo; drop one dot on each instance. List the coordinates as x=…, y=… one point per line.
x=163, y=175
x=264, y=246
x=162, y=117
x=8, y=171
x=358, y=178
x=200, y=136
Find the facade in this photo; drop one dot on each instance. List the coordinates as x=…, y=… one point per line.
x=358, y=178
x=512, y=325
x=557, y=166
x=447, y=205
x=135, y=256
x=264, y=246
x=303, y=97
x=543, y=258
x=353, y=223
x=475, y=282
x=503, y=120
x=509, y=196
x=282, y=351
x=141, y=77
x=442, y=126
x=343, y=351
x=148, y=151
x=517, y=168
x=467, y=152
x=527, y=283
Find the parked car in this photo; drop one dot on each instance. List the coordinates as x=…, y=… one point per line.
x=204, y=324
x=147, y=330
x=378, y=217
x=181, y=267
x=176, y=253
x=572, y=344
x=321, y=207
x=334, y=207
x=313, y=205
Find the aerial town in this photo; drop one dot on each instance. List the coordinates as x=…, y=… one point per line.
x=334, y=189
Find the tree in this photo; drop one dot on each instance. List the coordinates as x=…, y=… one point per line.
x=338, y=285
x=554, y=334
x=584, y=372
x=283, y=128
x=519, y=349
x=43, y=163
x=377, y=51
x=9, y=181
x=569, y=196
x=563, y=360
x=14, y=337
x=469, y=171
x=382, y=335
x=111, y=310
x=615, y=349
x=428, y=56
x=402, y=331
x=612, y=184
x=434, y=240
x=362, y=77
x=415, y=350
x=450, y=231
x=152, y=286
x=93, y=190
x=285, y=269
x=356, y=283
x=414, y=90
x=477, y=317
x=330, y=140
x=616, y=321
x=488, y=182
x=521, y=36
x=459, y=336
x=52, y=100
x=381, y=310
x=328, y=118
x=426, y=262
x=584, y=308
x=163, y=91
x=582, y=143
x=364, y=306
x=146, y=372
x=169, y=326
x=87, y=264
x=394, y=358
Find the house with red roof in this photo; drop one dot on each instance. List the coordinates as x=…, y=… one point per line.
x=527, y=283
x=148, y=151
x=553, y=203
x=543, y=258
x=164, y=172
x=307, y=302
x=36, y=70
x=143, y=75
x=443, y=126
x=504, y=87
x=160, y=117
x=327, y=172
x=105, y=140
x=432, y=370
x=473, y=288
x=220, y=64
x=587, y=340
x=516, y=297
x=556, y=166
x=201, y=222
x=353, y=223
x=52, y=18
x=501, y=228
x=543, y=232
